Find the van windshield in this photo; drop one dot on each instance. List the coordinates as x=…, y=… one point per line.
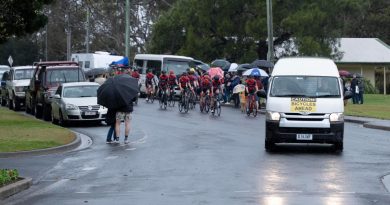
x=176, y=66
x=23, y=74
x=55, y=76
x=305, y=86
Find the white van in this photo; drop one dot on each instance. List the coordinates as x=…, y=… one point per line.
x=305, y=103
x=158, y=63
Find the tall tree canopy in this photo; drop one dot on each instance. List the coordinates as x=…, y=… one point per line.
x=20, y=17
x=237, y=29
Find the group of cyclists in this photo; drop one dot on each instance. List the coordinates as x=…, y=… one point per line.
x=193, y=86
x=190, y=85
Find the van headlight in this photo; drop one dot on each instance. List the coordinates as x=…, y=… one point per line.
x=71, y=107
x=272, y=116
x=336, y=117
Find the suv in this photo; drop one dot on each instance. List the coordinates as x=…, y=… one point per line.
x=16, y=84
x=46, y=78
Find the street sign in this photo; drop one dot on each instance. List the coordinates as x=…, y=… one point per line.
x=10, y=61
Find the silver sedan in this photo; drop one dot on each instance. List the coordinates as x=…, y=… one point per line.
x=77, y=102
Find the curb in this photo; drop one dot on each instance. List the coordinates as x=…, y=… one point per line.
x=15, y=188
x=74, y=144
x=378, y=127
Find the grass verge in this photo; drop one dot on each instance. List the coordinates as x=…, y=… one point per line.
x=375, y=106
x=22, y=133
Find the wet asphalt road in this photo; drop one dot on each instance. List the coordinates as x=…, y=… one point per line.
x=194, y=158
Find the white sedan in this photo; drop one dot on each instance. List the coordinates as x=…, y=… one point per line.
x=77, y=102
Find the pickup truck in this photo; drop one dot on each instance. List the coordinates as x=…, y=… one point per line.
x=46, y=78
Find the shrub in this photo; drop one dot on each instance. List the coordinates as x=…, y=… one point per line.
x=8, y=175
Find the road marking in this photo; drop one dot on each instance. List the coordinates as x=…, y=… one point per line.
x=111, y=157
x=88, y=168
x=188, y=191
x=131, y=149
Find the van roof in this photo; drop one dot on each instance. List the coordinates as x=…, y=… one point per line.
x=308, y=66
x=159, y=57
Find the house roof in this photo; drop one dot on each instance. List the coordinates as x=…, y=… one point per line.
x=364, y=50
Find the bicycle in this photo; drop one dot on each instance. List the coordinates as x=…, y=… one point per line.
x=204, y=102
x=184, y=102
x=171, y=97
x=216, y=105
x=251, y=106
x=192, y=99
x=163, y=99
x=150, y=96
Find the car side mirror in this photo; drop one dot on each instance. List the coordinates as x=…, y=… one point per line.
x=348, y=95
x=57, y=96
x=3, y=83
x=262, y=93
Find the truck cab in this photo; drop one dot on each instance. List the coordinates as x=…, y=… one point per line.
x=305, y=103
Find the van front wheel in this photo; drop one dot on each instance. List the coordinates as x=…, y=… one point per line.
x=339, y=146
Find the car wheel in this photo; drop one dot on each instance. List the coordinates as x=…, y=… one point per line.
x=61, y=120
x=38, y=111
x=16, y=104
x=53, y=119
x=46, y=112
x=339, y=146
x=269, y=145
x=10, y=103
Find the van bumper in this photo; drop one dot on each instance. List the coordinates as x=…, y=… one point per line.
x=277, y=134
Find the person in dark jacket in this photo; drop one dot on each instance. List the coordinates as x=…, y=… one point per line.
x=123, y=114
x=361, y=91
x=110, y=120
x=355, y=89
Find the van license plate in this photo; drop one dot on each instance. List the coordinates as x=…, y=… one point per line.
x=90, y=113
x=304, y=137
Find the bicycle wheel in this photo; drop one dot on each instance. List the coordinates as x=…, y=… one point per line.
x=207, y=104
x=180, y=103
x=218, y=108
x=254, y=110
x=249, y=107
x=186, y=103
x=151, y=98
x=164, y=97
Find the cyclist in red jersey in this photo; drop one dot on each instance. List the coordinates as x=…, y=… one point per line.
x=205, y=84
x=135, y=74
x=215, y=91
x=149, y=81
x=172, y=79
x=162, y=83
x=251, y=88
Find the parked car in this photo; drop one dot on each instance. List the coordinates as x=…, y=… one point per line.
x=77, y=102
x=44, y=83
x=18, y=80
x=3, y=89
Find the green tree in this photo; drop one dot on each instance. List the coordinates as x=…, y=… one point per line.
x=21, y=17
x=237, y=29
x=24, y=51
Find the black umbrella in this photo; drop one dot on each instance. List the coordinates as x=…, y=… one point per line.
x=262, y=64
x=95, y=72
x=223, y=64
x=118, y=91
x=244, y=66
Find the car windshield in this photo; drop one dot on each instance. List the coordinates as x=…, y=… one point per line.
x=305, y=86
x=176, y=66
x=80, y=91
x=55, y=76
x=23, y=74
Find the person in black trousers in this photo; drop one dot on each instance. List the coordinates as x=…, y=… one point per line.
x=355, y=90
x=110, y=120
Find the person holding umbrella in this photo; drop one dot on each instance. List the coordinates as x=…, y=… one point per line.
x=117, y=93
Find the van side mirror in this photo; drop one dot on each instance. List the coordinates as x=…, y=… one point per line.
x=3, y=83
x=348, y=95
x=262, y=93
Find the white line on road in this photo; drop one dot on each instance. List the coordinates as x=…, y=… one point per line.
x=111, y=157
x=188, y=191
x=88, y=168
x=131, y=149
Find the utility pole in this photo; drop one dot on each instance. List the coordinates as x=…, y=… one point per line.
x=127, y=37
x=68, y=38
x=87, y=34
x=46, y=42
x=270, y=54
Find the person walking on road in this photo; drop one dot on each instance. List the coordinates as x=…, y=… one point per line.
x=110, y=120
x=123, y=114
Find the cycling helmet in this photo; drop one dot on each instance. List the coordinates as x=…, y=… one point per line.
x=216, y=77
x=184, y=73
x=163, y=72
x=171, y=72
x=192, y=70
